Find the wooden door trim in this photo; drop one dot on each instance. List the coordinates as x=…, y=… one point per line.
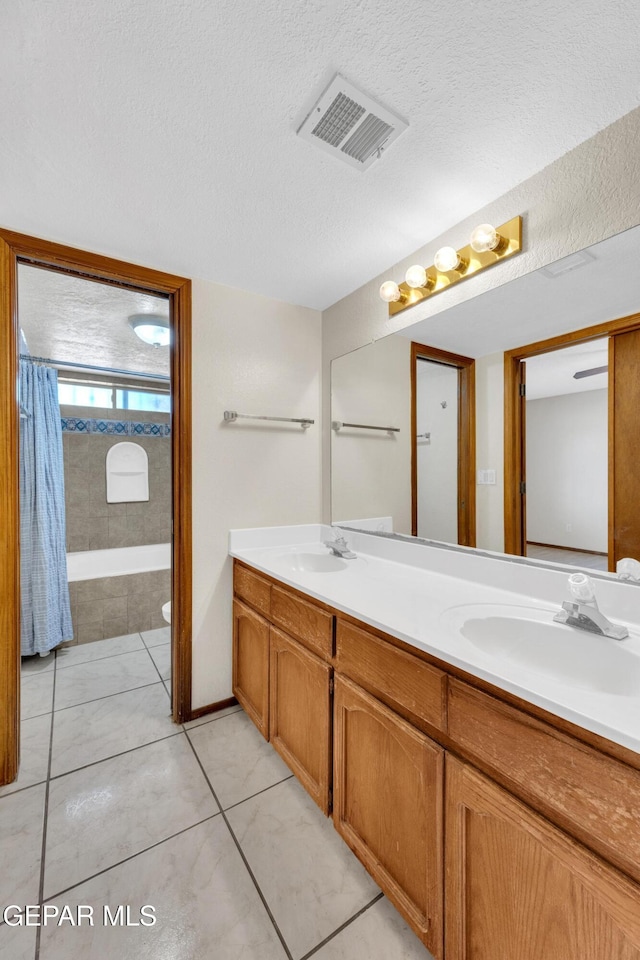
x=514, y=427
x=15, y=248
x=466, y=438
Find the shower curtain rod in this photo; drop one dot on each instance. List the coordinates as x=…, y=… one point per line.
x=89, y=366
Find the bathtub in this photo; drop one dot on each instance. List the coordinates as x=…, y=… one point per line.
x=119, y=591
x=118, y=562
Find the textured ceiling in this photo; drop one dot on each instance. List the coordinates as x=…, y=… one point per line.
x=164, y=133
x=80, y=321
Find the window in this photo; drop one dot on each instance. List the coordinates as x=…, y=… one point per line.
x=110, y=396
x=142, y=400
x=84, y=395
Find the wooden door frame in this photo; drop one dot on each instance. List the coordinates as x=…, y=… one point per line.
x=466, y=438
x=514, y=427
x=17, y=248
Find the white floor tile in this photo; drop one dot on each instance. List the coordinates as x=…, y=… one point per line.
x=86, y=652
x=35, y=735
x=237, y=759
x=379, y=933
x=102, y=814
x=101, y=678
x=206, y=906
x=308, y=876
x=161, y=656
x=36, y=694
x=100, y=729
x=21, y=824
x=208, y=717
x=17, y=943
x=154, y=638
x=30, y=666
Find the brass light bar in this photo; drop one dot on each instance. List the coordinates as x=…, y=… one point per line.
x=510, y=234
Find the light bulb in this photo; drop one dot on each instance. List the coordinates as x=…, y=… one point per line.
x=390, y=291
x=484, y=238
x=416, y=276
x=446, y=259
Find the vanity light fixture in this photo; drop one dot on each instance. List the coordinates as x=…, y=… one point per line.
x=488, y=245
x=151, y=328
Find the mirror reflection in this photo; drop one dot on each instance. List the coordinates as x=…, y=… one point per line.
x=508, y=422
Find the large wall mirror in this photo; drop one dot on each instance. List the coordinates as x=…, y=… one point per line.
x=509, y=422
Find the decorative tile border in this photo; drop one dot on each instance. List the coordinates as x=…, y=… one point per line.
x=122, y=428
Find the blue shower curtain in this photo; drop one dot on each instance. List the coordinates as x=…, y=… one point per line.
x=45, y=614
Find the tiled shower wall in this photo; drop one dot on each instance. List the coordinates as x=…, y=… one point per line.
x=114, y=606
x=94, y=524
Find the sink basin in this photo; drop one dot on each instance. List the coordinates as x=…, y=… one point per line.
x=528, y=638
x=305, y=562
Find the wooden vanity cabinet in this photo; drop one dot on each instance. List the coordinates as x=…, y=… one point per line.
x=301, y=714
x=497, y=834
x=283, y=675
x=517, y=888
x=388, y=800
x=251, y=664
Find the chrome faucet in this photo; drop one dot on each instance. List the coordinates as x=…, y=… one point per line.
x=583, y=612
x=340, y=548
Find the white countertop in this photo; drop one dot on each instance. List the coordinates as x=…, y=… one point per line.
x=412, y=591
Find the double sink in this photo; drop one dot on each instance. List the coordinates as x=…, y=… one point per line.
x=525, y=637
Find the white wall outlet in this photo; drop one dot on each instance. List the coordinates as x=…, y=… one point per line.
x=568, y=527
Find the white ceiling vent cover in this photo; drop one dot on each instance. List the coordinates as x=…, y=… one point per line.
x=350, y=126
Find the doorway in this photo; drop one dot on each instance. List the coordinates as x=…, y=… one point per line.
x=566, y=443
x=442, y=445
x=606, y=357
x=17, y=250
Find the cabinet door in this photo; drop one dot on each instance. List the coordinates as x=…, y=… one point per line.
x=300, y=714
x=251, y=664
x=388, y=782
x=518, y=887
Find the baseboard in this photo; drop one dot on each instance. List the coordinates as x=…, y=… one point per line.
x=556, y=546
x=212, y=708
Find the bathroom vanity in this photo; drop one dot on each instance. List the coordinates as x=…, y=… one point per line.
x=494, y=797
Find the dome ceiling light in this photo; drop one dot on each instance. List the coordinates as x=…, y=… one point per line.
x=151, y=328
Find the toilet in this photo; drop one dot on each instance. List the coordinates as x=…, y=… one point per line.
x=166, y=611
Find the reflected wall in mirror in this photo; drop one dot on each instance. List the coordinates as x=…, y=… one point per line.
x=566, y=490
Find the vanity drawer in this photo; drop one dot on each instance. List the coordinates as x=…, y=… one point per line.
x=252, y=589
x=414, y=688
x=591, y=795
x=305, y=621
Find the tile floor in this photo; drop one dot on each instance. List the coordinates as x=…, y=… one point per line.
x=116, y=805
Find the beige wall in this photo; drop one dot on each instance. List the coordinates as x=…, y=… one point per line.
x=371, y=475
x=490, y=451
x=253, y=355
x=588, y=195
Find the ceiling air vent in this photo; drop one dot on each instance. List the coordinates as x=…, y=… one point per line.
x=350, y=126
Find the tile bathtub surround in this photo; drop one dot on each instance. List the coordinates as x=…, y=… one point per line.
x=132, y=818
x=94, y=524
x=111, y=606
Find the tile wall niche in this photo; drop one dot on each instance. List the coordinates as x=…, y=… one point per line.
x=94, y=524
x=115, y=606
